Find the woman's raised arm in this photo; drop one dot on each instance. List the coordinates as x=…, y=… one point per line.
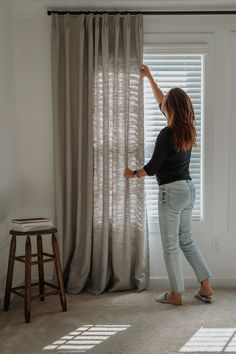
x=144, y=70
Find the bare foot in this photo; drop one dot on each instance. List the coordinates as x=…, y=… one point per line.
x=174, y=299
x=205, y=288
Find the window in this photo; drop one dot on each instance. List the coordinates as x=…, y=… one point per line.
x=173, y=70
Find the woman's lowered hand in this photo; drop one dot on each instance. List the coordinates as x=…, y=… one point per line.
x=129, y=173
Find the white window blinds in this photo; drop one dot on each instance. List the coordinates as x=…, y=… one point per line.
x=169, y=70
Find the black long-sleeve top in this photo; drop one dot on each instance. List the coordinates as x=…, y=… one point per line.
x=166, y=163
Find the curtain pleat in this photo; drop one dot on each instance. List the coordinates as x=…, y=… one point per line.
x=72, y=87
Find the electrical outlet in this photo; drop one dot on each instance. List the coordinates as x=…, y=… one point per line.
x=215, y=244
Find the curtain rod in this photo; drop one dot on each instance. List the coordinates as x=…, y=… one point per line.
x=208, y=12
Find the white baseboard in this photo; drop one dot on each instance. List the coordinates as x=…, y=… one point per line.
x=193, y=283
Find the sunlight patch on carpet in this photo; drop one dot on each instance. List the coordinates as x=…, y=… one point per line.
x=206, y=340
x=85, y=337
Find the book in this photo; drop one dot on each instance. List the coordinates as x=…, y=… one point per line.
x=30, y=220
x=31, y=224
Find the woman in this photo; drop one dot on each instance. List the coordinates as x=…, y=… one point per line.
x=170, y=164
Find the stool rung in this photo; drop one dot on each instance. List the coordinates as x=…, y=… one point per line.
x=43, y=261
x=35, y=296
x=53, y=286
x=17, y=293
x=48, y=254
x=22, y=286
x=14, y=291
x=20, y=259
x=50, y=259
x=34, y=284
x=18, y=287
x=44, y=294
x=36, y=255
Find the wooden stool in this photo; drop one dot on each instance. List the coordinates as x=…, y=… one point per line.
x=42, y=258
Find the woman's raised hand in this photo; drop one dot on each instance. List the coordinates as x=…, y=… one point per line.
x=144, y=71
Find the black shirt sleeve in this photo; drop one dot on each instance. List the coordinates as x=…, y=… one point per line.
x=161, y=152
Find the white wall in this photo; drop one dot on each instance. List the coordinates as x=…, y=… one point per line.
x=8, y=174
x=34, y=116
x=34, y=130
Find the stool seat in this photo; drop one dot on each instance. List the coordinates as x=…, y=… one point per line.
x=41, y=258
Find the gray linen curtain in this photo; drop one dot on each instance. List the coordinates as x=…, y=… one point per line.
x=98, y=131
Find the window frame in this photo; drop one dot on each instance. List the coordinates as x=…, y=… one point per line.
x=200, y=48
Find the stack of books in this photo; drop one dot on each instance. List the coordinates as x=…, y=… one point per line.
x=31, y=224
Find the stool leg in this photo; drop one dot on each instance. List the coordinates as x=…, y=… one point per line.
x=10, y=268
x=40, y=267
x=59, y=272
x=27, y=280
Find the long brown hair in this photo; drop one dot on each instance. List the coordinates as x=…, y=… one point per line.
x=181, y=119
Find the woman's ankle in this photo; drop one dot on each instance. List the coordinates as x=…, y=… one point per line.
x=206, y=287
x=176, y=295
x=175, y=298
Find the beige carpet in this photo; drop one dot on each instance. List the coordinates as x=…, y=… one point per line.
x=153, y=328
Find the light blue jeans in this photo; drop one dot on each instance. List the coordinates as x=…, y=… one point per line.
x=175, y=204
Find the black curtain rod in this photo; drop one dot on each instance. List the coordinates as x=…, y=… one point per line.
x=208, y=12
